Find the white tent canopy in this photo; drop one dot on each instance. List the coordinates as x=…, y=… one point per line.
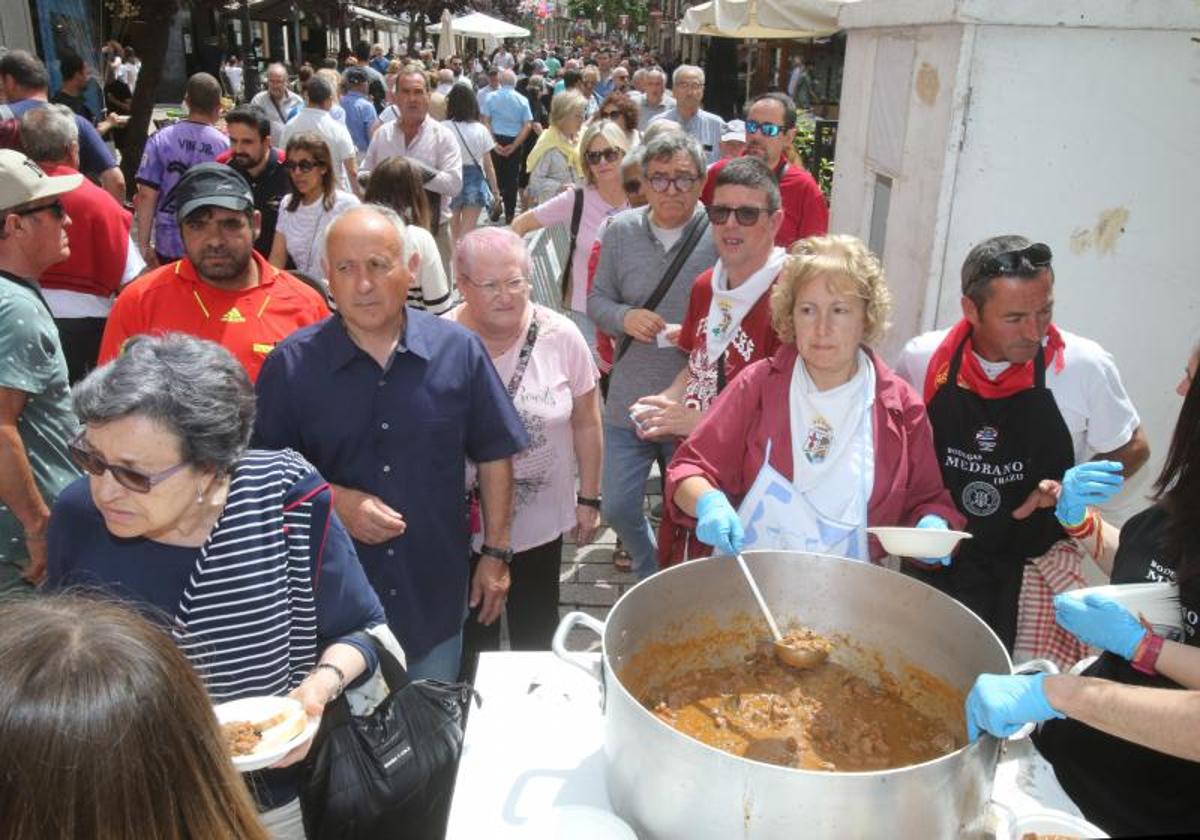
x=763, y=18
x=479, y=25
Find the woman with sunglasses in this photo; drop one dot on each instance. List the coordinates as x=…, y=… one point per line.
x=604, y=146
x=553, y=162
x=619, y=107
x=307, y=210
x=1118, y=734
x=821, y=440
x=235, y=551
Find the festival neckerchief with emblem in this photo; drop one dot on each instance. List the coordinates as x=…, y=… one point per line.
x=825, y=426
x=971, y=374
x=729, y=306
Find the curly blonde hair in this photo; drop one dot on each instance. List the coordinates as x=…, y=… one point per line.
x=841, y=260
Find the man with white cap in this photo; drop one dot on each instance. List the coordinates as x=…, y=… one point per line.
x=733, y=139
x=36, y=421
x=222, y=290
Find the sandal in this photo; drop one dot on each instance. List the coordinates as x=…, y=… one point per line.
x=622, y=559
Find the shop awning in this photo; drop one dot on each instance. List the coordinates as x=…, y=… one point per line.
x=763, y=18
x=377, y=17
x=479, y=25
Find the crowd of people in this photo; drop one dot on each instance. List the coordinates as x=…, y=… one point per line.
x=302, y=390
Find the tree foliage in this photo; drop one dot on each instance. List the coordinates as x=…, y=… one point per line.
x=610, y=11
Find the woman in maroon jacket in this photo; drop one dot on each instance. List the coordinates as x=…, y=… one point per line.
x=822, y=439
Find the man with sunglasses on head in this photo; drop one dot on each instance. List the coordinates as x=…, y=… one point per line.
x=687, y=83
x=770, y=129
x=36, y=421
x=222, y=290
x=1014, y=400
x=649, y=259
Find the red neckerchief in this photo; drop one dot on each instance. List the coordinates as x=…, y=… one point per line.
x=971, y=376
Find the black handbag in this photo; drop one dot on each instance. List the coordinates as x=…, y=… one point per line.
x=388, y=774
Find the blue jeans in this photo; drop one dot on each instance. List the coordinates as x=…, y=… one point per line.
x=627, y=461
x=441, y=663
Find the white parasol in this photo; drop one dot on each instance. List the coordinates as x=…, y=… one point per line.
x=446, y=37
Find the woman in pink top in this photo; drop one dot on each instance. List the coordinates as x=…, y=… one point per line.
x=546, y=366
x=822, y=439
x=602, y=148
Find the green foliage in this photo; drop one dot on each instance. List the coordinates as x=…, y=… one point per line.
x=609, y=11
x=805, y=145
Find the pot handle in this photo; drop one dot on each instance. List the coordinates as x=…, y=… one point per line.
x=559, y=643
x=1033, y=666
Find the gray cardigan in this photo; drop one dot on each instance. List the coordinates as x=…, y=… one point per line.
x=632, y=261
x=549, y=175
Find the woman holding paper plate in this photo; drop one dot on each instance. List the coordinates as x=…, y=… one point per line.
x=1120, y=736
x=821, y=440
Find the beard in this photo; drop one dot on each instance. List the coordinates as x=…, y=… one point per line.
x=223, y=266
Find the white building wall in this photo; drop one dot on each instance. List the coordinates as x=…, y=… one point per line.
x=1074, y=128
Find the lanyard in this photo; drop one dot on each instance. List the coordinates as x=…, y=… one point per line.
x=523, y=360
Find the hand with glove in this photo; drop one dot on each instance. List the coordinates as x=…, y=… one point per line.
x=717, y=523
x=1000, y=704
x=1089, y=483
x=1100, y=622
x=933, y=522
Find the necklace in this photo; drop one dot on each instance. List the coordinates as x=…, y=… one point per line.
x=312, y=242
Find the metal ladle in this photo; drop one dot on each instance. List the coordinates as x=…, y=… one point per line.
x=801, y=660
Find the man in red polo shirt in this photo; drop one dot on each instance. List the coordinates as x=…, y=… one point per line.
x=770, y=130
x=80, y=289
x=222, y=289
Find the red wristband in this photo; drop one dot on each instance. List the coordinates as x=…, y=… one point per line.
x=1145, y=658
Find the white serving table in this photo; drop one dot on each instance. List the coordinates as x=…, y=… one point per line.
x=537, y=743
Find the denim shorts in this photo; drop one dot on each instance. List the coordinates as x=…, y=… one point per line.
x=475, y=189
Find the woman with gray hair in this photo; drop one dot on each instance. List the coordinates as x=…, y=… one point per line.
x=237, y=552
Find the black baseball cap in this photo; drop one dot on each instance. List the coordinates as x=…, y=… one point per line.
x=211, y=185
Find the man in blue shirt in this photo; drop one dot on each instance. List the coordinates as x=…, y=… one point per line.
x=388, y=402
x=508, y=115
x=360, y=112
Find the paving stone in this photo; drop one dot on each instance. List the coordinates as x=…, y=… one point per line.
x=593, y=594
x=604, y=573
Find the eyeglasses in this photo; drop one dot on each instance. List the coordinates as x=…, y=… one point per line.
x=746, y=216
x=492, y=288
x=305, y=166
x=683, y=183
x=1021, y=262
x=766, y=129
x=130, y=479
x=609, y=115
x=632, y=187
x=55, y=207
x=691, y=85
x=610, y=154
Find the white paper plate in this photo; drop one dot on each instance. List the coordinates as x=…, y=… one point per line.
x=922, y=543
x=577, y=822
x=1052, y=822
x=260, y=708
x=1158, y=603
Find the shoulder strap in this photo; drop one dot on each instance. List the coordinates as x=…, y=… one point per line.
x=474, y=159
x=576, y=216
x=664, y=285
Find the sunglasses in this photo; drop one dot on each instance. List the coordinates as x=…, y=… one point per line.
x=683, y=183
x=55, y=207
x=765, y=129
x=303, y=165
x=746, y=216
x=609, y=115
x=130, y=479
x=1021, y=262
x=632, y=187
x=610, y=154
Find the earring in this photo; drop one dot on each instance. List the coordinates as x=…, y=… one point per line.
x=199, y=495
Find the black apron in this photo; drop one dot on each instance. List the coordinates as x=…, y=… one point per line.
x=993, y=453
x=1127, y=789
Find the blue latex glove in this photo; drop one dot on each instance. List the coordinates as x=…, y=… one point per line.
x=933, y=522
x=1090, y=483
x=1100, y=622
x=1001, y=704
x=718, y=524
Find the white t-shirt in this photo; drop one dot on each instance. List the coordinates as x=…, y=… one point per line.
x=233, y=75
x=474, y=140
x=1088, y=391
x=432, y=290
x=667, y=236
x=302, y=227
x=335, y=134
x=559, y=370
x=128, y=73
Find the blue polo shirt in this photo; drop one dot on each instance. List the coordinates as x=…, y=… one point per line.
x=508, y=111
x=360, y=116
x=402, y=433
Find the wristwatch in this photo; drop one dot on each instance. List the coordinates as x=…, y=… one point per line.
x=504, y=554
x=587, y=501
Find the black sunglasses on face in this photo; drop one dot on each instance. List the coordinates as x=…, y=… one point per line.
x=1021, y=262
x=610, y=154
x=746, y=216
x=130, y=479
x=55, y=207
x=610, y=115
x=302, y=165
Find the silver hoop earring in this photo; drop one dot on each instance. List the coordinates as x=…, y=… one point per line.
x=199, y=495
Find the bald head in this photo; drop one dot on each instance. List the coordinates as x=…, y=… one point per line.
x=364, y=259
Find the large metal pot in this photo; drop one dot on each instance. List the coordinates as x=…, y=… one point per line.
x=669, y=786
